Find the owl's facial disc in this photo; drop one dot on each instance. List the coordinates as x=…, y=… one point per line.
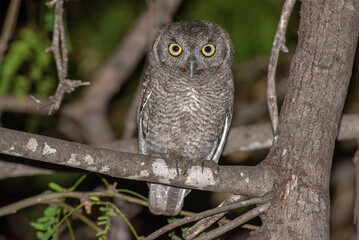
x=191, y=63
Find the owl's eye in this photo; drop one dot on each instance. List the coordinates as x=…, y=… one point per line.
x=208, y=50
x=175, y=49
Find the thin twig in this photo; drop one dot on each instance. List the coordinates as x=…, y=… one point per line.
x=60, y=52
x=48, y=196
x=9, y=27
x=278, y=45
x=80, y=216
x=235, y=222
x=204, y=214
x=207, y=222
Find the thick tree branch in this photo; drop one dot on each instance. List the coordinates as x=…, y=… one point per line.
x=250, y=181
x=243, y=138
x=310, y=116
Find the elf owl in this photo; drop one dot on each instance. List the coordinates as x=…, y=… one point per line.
x=187, y=101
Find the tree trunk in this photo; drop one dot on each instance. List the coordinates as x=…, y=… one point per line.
x=303, y=146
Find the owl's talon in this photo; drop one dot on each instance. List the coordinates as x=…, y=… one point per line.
x=181, y=164
x=212, y=165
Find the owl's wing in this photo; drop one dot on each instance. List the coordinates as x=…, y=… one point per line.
x=142, y=114
x=219, y=144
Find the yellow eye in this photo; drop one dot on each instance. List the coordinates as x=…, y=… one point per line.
x=175, y=49
x=208, y=50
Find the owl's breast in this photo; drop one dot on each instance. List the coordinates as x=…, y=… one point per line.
x=186, y=120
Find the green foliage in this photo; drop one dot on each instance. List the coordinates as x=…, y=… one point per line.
x=46, y=226
x=53, y=216
x=105, y=220
x=27, y=67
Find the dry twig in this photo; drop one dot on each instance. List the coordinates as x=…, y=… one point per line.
x=60, y=52
x=200, y=226
x=235, y=222
x=207, y=213
x=9, y=27
x=49, y=196
x=278, y=45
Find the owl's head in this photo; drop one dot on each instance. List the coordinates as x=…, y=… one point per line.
x=192, y=47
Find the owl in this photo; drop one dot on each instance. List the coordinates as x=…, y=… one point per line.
x=186, y=101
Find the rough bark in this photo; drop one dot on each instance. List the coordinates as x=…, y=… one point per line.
x=250, y=181
x=308, y=125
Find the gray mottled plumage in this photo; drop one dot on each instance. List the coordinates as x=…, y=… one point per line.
x=187, y=100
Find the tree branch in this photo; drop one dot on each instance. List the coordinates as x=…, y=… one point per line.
x=235, y=222
x=303, y=147
x=278, y=45
x=48, y=197
x=204, y=214
x=9, y=27
x=250, y=181
x=243, y=138
x=251, y=137
x=60, y=52
x=200, y=226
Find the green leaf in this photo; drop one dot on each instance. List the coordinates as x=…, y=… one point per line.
x=40, y=235
x=101, y=233
x=38, y=226
x=94, y=198
x=52, y=210
x=111, y=213
x=103, y=209
x=56, y=187
x=102, y=217
x=104, y=180
x=174, y=236
x=43, y=219
x=102, y=222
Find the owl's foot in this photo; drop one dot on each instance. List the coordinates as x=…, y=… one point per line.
x=207, y=163
x=212, y=165
x=179, y=163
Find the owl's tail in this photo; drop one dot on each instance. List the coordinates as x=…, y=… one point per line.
x=166, y=200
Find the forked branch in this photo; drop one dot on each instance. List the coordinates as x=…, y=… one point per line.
x=60, y=52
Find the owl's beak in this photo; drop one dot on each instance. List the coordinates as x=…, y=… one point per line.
x=191, y=61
